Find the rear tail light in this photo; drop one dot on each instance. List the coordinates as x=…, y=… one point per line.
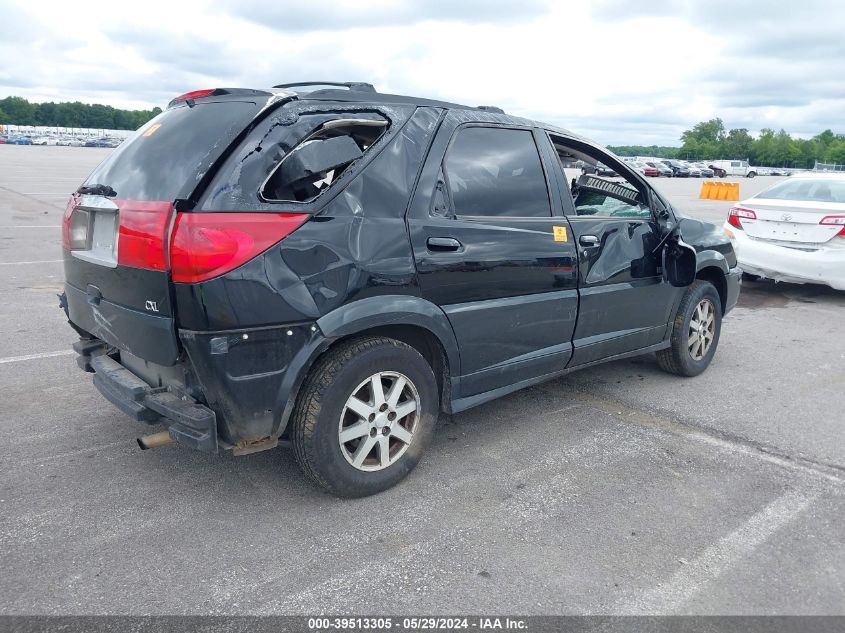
x=736, y=213
x=835, y=220
x=66, y=218
x=142, y=234
x=206, y=245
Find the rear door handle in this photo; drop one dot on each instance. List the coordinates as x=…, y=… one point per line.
x=443, y=244
x=588, y=241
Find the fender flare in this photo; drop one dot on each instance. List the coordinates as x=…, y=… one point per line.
x=359, y=316
x=710, y=258
x=373, y=312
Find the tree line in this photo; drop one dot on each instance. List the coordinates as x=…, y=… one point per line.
x=19, y=111
x=709, y=140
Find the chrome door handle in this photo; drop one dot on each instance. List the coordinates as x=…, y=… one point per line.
x=588, y=241
x=443, y=244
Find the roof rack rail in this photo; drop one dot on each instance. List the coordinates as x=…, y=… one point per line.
x=495, y=109
x=358, y=86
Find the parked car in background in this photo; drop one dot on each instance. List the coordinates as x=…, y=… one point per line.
x=694, y=171
x=793, y=231
x=382, y=260
x=662, y=168
x=733, y=168
x=645, y=169
x=603, y=170
x=3, y=140
x=706, y=172
x=97, y=142
x=679, y=170
x=19, y=140
x=44, y=140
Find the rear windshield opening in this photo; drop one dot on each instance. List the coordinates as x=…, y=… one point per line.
x=312, y=166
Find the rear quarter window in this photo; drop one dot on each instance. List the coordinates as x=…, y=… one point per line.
x=169, y=155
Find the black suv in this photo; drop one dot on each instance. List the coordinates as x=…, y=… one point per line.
x=333, y=267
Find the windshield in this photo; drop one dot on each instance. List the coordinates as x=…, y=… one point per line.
x=166, y=158
x=818, y=190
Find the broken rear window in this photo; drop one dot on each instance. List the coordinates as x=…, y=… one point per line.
x=313, y=165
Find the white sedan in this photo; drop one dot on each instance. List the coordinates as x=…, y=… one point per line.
x=793, y=231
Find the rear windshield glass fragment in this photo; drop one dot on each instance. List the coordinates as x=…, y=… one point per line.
x=312, y=166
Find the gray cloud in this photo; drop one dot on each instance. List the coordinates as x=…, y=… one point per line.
x=777, y=65
x=295, y=15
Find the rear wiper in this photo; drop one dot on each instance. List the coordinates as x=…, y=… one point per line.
x=97, y=190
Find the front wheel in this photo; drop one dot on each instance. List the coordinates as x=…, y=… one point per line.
x=365, y=415
x=751, y=174
x=695, y=331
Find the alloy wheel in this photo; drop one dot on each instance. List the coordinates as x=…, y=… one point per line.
x=702, y=329
x=378, y=421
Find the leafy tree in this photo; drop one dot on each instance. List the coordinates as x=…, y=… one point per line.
x=19, y=111
x=737, y=143
x=4, y=118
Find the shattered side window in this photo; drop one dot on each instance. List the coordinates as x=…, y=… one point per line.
x=313, y=165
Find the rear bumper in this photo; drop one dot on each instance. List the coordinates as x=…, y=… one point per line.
x=188, y=422
x=757, y=257
x=229, y=389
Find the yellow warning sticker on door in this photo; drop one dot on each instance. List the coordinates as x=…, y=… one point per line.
x=152, y=129
x=560, y=233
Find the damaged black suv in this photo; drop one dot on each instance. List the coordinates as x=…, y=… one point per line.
x=333, y=267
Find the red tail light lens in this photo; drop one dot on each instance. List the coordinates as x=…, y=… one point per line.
x=69, y=209
x=142, y=235
x=835, y=220
x=736, y=213
x=206, y=245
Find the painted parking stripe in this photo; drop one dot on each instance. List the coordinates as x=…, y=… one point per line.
x=41, y=261
x=17, y=359
x=672, y=595
x=31, y=226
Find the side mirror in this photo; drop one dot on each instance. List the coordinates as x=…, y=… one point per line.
x=679, y=262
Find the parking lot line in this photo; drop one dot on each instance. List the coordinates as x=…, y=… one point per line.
x=17, y=359
x=41, y=261
x=691, y=578
x=31, y=226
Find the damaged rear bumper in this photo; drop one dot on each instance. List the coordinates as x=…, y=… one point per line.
x=188, y=422
x=228, y=390
x=823, y=265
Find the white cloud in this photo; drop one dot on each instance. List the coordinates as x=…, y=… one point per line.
x=604, y=69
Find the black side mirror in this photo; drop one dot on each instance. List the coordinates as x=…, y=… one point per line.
x=679, y=262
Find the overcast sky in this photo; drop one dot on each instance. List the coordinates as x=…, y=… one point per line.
x=618, y=71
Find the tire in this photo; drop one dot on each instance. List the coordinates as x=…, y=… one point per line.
x=752, y=174
x=322, y=413
x=679, y=357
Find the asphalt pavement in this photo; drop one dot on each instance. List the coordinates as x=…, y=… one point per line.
x=616, y=490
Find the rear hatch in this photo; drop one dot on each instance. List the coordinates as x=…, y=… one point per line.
x=117, y=226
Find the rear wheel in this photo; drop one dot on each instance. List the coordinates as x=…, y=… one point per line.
x=365, y=415
x=695, y=332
